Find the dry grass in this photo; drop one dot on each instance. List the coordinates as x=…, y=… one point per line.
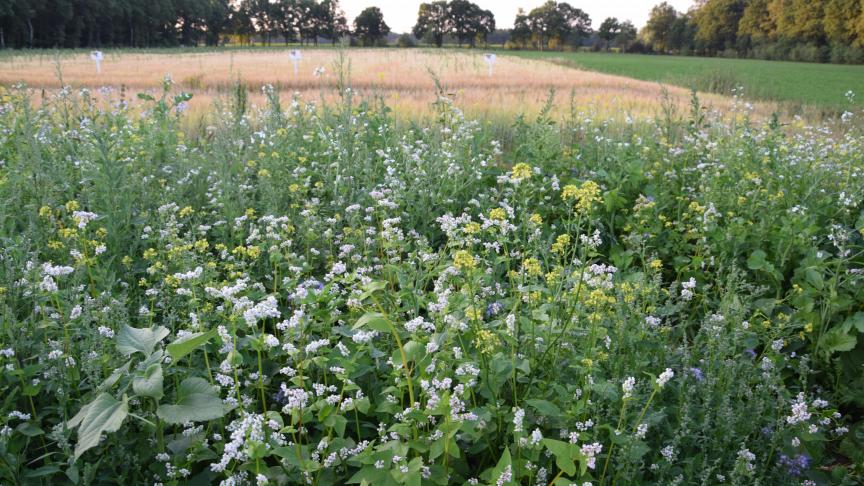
x=403, y=78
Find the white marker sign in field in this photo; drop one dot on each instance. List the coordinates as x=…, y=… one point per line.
x=295, y=58
x=490, y=60
x=96, y=56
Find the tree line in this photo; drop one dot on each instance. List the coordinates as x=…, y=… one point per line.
x=806, y=30
x=801, y=30
x=167, y=23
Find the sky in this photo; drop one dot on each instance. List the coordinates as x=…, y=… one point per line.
x=401, y=15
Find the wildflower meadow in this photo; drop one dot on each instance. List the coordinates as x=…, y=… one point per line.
x=304, y=292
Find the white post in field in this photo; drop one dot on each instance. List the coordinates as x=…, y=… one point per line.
x=490, y=60
x=295, y=58
x=96, y=56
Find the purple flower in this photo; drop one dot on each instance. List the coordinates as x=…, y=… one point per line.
x=795, y=465
x=493, y=309
x=697, y=373
x=750, y=353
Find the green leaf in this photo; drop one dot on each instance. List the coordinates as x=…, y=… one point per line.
x=104, y=414
x=856, y=321
x=132, y=340
x=837, y=341
x=756, y=260
x=546, y=408
x=115, y=376
x=186, y=344
x=197, y=401
x=149, y=384
x=373, y=320
x=565, y=455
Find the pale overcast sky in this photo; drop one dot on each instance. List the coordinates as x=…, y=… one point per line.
x=401, y=15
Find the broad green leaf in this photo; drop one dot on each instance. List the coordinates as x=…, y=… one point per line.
x=197, y=401
x=373, y=320
x=564, y=453
x=186, y=344
x=104, y=414
x=756, y=260
x=132, y=340
x=149, y=384
x=115, y=376
x=856, y=321
x=837, y=341
x=546, y=408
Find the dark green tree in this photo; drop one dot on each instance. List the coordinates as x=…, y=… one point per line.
x=433, y=20
x=370, y=27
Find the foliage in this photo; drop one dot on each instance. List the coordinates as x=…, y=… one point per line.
x=370, y=27
x=306, y=293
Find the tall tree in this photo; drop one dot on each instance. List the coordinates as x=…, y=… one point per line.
x=756, y=25
x=840, y=19
x=658, y=30
x=370, y=27
x=433, y=20
x=717, y=24
x=609, y=31
x=626, y=36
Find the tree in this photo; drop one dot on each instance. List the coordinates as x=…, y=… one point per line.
x=840, y=19
x=485, y=26
x=609, y=30
x=521, y=32
x=717, y=24
x=433, y=20
x=558, y=21
x=658, y=30
x=626, y=36
x=756, y=25
x=370, y=27
x=331, y=20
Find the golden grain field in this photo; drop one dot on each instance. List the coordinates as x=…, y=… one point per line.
x=403, y=78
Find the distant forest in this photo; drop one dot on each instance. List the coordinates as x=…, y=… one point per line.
x=803, y=30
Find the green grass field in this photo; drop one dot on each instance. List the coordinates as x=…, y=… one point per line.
x=820, y=85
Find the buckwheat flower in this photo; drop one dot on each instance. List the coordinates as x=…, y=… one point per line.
x=799, y=411
x=106, y=332
x=627, y=387
x=641, y=430
x=75, y=313
x=668, y=453
x=7, y=353
x=83, y=217
x=687, y=289
x=15, y=414
x=48, y=284
x=747, y=458
x=652, y=321
x=338, y=268
x=665, y=377
x=536, y=437
x=518, y=417
x=505, y=477
x=590, y=452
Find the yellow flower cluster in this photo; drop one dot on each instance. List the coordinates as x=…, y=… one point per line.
x=520, y=171
x=498, y=214
x=471, y=228
x=583, y=196
x=531, y=267
x=464, y=260
x=486, y=342
x=561, y=244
